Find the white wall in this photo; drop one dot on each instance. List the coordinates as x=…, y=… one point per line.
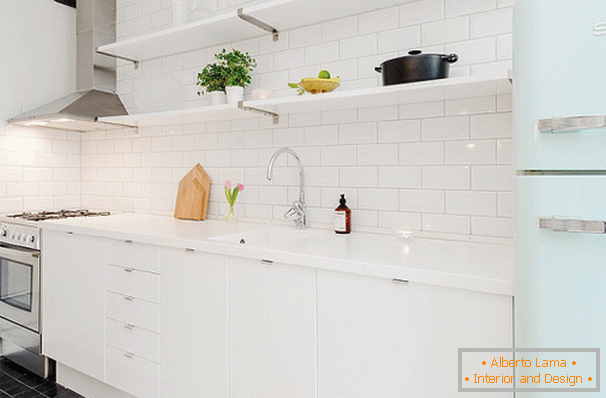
x=39, y=168
x=444, y=165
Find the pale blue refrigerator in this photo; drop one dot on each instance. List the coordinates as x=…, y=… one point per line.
x=559, y=113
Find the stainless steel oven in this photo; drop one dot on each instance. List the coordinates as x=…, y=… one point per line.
x=20, y=308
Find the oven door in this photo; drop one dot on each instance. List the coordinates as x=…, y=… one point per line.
x=20, y=286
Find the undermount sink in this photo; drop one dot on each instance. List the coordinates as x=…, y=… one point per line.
x=267, y=237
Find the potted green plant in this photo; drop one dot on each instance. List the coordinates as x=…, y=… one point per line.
x=236, y=68
x=212, y=79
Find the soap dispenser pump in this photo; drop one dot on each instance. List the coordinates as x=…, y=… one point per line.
x=342, y=217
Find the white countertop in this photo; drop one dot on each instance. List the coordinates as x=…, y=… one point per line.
x=485, y=267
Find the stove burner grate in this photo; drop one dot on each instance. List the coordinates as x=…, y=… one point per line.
x=54, y=215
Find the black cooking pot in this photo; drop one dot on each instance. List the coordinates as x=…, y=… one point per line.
x=416, y=67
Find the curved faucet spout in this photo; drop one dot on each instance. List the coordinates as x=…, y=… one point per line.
x=270, y=169
x=298, y=207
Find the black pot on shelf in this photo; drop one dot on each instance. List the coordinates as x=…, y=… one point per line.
x=416, y=67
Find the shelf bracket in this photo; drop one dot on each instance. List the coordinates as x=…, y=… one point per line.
x=260, y=24
x=274, y=115
x=135, y=62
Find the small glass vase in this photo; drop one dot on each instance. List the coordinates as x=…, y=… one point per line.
x=230, y=216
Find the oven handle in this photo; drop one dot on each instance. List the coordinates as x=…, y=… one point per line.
x=29, y=257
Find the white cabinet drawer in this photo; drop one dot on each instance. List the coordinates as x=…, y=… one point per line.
x=134, y=255
x=132, y=339
x=132, y=374
x=132, y=310
x=134, y=283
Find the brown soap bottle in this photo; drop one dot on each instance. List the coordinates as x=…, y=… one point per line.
x=342, y=217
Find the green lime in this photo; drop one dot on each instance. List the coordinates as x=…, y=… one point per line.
x=324, y=74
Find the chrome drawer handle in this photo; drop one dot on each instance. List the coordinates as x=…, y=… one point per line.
x=128, y=269
x=573, y=225
x=572, y=123
x=129, y=355
x=400, y=281
x=129, y=326
x=128, y=241
x=268, y=262
x=188, y=250
x=129, y=298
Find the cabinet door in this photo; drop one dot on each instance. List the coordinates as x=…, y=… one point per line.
x=194, y=324
x=73, y=290
x=380, y=339
x=272, y=330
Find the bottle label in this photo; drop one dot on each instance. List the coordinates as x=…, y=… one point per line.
x=340, y=221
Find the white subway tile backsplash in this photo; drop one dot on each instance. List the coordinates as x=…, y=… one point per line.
x=378, y=114
x=445, y=31
x=392, y=220
x=421, y=153
x=505, y=151
x=340, y=28
x=399, y=131
x=473, y=51
x=470, y=152
x=358, y=47
x=373, y=154
x=471, y=203
x=422, y=110
x=322, y=53
x=421, y=201
x=418, y=12
x=447, y=128
x=399, y=177
x=446, y=177
x=358, y=133
x=460, y=7
x=492, y=226
x=379, y=20
x=446, y=223
x=358, y=177
x=341, y=155
x=378, y=199
x=491, y=23
x=496, y=125
x=305, y=36
x=402, y=39
x=492, y=178
x=322, y=135
x=471, y=106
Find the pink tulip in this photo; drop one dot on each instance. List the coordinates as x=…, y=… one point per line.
x=240, y=187
x=228, y=184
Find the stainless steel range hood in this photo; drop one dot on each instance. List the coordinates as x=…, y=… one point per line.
x=95, y=79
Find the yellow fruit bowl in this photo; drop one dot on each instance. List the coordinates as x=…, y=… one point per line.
x=317, y=85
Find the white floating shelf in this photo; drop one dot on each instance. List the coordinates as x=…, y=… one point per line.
x=229, y=27
x=181, y=116
x=478, y=85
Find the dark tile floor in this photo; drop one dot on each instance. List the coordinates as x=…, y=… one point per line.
x=20, y=383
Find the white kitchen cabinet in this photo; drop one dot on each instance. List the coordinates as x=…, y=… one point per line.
x=377, y=338
x=194, y=324
x=272, y=341
x=73, y=294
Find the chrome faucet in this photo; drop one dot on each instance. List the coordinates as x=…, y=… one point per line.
x=298, y=206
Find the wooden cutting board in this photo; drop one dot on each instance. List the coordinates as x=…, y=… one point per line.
x=193, y=195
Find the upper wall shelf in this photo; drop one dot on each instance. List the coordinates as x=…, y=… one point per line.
x=237, y=25
x=433, y=90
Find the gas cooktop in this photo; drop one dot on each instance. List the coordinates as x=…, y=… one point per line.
x=54, y=215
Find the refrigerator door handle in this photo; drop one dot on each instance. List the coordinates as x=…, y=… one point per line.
x=573, y=225
x=572, y=123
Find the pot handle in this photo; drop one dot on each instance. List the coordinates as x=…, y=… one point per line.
x=414, y=52
x=452, y=58
x=379, y=69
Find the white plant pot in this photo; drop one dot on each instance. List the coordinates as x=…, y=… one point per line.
x=218, y=98
x=234, y=94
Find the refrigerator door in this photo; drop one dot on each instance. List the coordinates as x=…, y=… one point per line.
x=559, y=74
x=560, y=276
